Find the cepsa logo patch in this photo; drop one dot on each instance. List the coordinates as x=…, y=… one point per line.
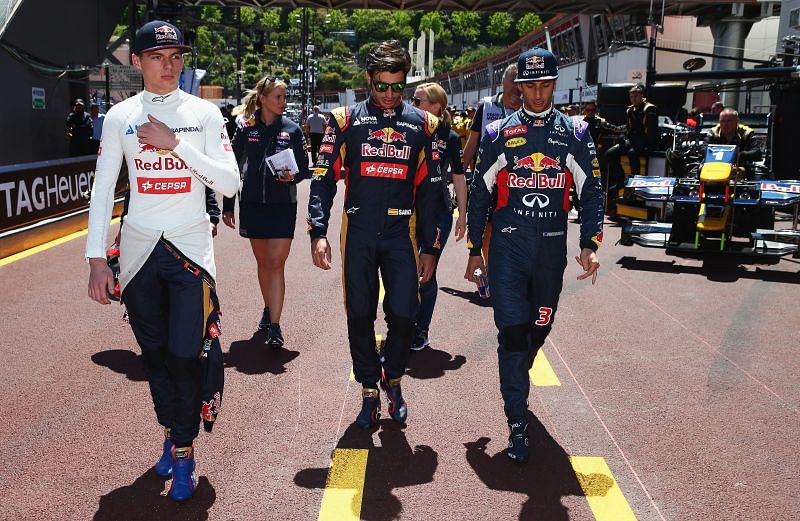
x=326, y=149
x=515, y=131
x=387, y=170
x=516, y=142
x=164, y=185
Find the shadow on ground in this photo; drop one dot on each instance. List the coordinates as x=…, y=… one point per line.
x=142, y=500
x=545, y=478
x=391, y=465
x=716, y=269
x=471, y=296
x=122, y=361
x=254, y=357
x=432, y=363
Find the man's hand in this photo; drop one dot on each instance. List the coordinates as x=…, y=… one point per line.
x=101, y=281
x=590, y=264
x=229, y=220
x=213, y=230
x=461, y=226
x=157, y=134
x=474, y=262
x=427, y=267
x=321, y=253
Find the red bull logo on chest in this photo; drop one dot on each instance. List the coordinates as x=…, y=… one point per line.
x=387, y=135
x=539, y=181
x=537, y=162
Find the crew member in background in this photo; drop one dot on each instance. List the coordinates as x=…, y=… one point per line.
x=729, y=132
x=431, y=97
x=492, y=108
x=97, y=126
x=641, y=136
x=79, y=130
x=315, y=128
x=533, y=157
x=175, y=145
x=268, y=201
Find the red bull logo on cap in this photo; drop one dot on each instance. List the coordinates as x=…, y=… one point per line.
x=387, y=135
x=534, y=62
x=165, y=32
x=537, y=162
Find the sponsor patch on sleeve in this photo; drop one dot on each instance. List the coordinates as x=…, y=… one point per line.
x=319, y=172
x=342, y=116
x=493, y=129
x=579, y=127
x=598, y=239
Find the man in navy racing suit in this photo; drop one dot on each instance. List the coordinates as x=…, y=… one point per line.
x=533, y=157
x=385, y=150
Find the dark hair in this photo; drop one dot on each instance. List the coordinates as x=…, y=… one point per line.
x=388, y=56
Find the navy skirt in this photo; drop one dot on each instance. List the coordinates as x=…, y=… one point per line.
x=267, y=221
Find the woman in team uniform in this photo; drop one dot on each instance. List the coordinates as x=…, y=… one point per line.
x=432, y=98
x=268, y=199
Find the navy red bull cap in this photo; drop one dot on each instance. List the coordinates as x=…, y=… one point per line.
x=156, y=35
x=536, y=64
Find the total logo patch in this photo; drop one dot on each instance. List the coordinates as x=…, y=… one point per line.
x=516, y=142
x=515, y=131
x=164, y=185
x=387, y=170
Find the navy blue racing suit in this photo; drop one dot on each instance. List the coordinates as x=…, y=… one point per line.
x=391, y=205
x=533, y=161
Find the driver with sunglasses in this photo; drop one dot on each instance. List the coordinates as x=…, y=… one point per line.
x=387, y=152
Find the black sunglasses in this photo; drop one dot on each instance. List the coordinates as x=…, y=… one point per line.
x=381, y=86
x=416, y=101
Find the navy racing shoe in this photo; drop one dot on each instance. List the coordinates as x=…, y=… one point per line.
x=518, y=441
x=421, y=340
x=184, y=477
x=163, y=466
x=394, y=398
x=265, y=320
x=370, y=408
x=275, y=336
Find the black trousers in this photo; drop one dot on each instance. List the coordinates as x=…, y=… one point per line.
x=165, y=303
x=316, y=141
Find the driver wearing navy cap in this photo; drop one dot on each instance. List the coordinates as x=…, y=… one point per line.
x=533, y=157
x=175, y=146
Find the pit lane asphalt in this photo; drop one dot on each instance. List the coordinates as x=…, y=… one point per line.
x=683, y=377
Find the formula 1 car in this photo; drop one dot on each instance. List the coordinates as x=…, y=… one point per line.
x=716, y=212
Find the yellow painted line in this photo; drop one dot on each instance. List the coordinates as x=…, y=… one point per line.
x=344, y=489
x=379, y=342
x=46, y=246
x=381, y=291
x=542, y=374
x=605, y=498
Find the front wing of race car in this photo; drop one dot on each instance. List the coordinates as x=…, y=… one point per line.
x=753, y=197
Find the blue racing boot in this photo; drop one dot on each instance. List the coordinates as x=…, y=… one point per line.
x=518, y=441
x=184, y=477
x=370, y=408
x=394, y=398
x=163, y=466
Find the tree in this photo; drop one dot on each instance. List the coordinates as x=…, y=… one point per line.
x=369, y=24
x=466, y=26
x=474, y=55
x=271, y=19
x=431, y=20
x=499, y=27
x=330, y=81
x=400, y=26
x=528, y=23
